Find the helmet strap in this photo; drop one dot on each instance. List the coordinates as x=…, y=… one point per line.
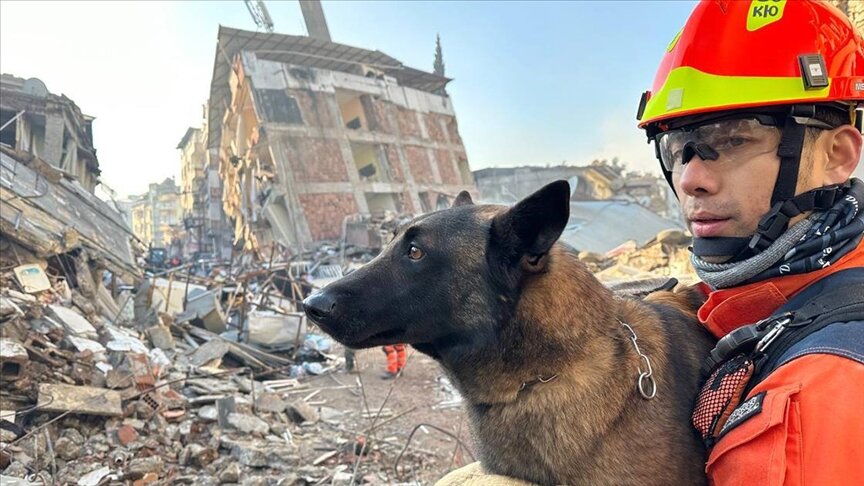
x=771, y=226
x=720, y=246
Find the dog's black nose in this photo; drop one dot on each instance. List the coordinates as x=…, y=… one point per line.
x=319, y=306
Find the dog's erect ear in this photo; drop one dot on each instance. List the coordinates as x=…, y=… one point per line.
x=525, y=233
x=463, y=199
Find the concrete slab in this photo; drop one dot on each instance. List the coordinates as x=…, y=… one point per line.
x=79, y=399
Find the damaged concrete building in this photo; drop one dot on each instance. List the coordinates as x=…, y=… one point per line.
x=49, y=127
x=49, y=215
x=311, y=133
x=600, y=180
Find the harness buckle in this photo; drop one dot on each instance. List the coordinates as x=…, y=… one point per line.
x=774, y=332
x=746, y=338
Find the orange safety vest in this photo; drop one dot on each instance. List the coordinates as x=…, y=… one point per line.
x=810, y=430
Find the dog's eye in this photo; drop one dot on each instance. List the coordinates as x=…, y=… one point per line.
x=415, y=253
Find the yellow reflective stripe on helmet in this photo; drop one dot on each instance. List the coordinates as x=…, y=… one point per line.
x=688, y=89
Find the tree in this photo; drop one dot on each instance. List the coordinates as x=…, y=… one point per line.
x=438, y=66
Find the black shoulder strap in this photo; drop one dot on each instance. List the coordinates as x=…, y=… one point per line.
x=840, y=304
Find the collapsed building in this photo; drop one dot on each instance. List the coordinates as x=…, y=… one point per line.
x=311, y=134
x=599, y=181
x=48, y=126
x=49, y=170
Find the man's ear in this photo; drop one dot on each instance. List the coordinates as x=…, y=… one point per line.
x=523, y=235
x=463, y=199
x=843, y=150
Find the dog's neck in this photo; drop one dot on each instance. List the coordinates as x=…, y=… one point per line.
x=544, y=336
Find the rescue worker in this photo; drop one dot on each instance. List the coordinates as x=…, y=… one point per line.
x=395, y=360
x=755, y=116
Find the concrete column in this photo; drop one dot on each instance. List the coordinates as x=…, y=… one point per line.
x=54, y=127
x=316, y=24
x=432, y=155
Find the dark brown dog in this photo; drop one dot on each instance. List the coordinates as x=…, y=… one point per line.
x=536, y=345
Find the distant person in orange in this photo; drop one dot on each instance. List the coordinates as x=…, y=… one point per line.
x=395, y=360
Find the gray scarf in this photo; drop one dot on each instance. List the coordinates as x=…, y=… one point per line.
x=725, y=275
x=816, y=242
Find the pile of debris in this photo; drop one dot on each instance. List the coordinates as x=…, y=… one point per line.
x=160, y=385
x=666, y=255
x=198, y=375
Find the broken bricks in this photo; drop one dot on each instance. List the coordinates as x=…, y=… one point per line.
x=301, y=412
x=13, y=360
x=160, y=337
x=248, y=424
x=165, y=373
x=73, y=322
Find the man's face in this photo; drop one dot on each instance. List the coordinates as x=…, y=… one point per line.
x=726, y=193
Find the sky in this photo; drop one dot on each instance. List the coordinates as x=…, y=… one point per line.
x=535, y=83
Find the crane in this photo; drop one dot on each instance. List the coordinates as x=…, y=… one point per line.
x=260, y=14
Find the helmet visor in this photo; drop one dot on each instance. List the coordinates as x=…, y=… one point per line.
x=723, y=143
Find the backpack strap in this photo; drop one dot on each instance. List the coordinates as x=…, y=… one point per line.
x=837, y=305
x=826, y=317
x=844, y=339
x=837, y=298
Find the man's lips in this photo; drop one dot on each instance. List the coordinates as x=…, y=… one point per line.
x=704, y=225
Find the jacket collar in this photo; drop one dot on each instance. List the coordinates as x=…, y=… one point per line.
x=728, y=309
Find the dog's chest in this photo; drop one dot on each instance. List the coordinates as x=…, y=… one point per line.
x=521, y=441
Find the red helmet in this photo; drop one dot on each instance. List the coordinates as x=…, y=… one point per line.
x=775, y=60
x=738, y=54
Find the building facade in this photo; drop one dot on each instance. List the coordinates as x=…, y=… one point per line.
x=206, y=232
x=309, y=132
x=193, y=158
x=157, y=216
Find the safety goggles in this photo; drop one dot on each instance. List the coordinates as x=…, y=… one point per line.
x=722, y=142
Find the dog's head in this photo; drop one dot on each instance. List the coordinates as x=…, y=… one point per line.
x=445, y=274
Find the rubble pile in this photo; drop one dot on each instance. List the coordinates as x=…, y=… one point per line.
x=666, y=255
x=188, y=377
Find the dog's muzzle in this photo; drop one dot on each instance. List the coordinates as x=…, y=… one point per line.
x=319, y=307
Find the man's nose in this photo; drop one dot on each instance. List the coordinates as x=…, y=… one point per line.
x=696, y=177
x=319, y=307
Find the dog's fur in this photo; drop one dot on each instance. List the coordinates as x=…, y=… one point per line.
x=499, y=304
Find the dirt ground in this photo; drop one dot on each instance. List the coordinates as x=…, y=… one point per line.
x=420, y=398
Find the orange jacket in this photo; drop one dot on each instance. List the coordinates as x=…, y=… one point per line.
x=811, y=426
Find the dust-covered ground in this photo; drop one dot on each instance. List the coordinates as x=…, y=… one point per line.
x=419, y=415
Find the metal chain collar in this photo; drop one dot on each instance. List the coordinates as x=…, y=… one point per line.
x=539, y=379
x=647, y=385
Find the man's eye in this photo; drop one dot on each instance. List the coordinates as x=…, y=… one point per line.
x=415, y=253
x=729, y=142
